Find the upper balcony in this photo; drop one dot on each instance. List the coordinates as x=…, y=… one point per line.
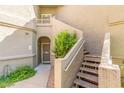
x=46, y=20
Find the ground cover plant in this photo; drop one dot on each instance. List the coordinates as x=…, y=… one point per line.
x=122, y=73
x=19, y=74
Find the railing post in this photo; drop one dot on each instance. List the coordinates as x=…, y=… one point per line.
x=52, y=59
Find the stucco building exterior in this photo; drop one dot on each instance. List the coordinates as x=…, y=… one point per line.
x=27, y=32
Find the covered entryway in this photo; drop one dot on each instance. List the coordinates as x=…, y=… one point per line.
x=43, y=50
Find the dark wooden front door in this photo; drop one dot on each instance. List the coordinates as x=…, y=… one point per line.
x=46, y=53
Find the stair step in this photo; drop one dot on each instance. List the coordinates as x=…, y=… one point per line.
x=89, y=55
x=88, y=77
x=92, y=59
x=89, y=70
x=90, y=64
x=85, y=84
x=73, y=86
x=86, y=52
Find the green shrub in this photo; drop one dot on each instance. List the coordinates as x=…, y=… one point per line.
x=19, y=74
x=63, y=43
x=122, y=74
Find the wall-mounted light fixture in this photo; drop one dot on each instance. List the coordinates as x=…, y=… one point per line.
x=26, y=33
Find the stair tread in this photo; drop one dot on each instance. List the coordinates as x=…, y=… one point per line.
x=73, y=86
x=94, y=71
x=85, y=84
x=92, y=59
x=90, y=64
x=90, y=55
x=86, y=52
x=88, y=77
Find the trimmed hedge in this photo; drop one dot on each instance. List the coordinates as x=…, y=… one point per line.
x=64, y=41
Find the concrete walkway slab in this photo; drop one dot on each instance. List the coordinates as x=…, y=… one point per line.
x=38, y=81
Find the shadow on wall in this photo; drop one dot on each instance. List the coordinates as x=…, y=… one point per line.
x=16, y=42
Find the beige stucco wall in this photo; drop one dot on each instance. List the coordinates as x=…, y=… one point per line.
x=14, y=63
x=59, y=26
x=69, y=76
x=117, y=42
x=17, y=36
x=15, y=42
x=94, y=21
x=16, y=48
x=48, y=10
x=89, y=19
x=65, y=74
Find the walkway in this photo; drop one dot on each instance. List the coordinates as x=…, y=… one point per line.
x=37, y=81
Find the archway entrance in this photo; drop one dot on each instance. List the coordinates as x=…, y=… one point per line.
x=43, y=50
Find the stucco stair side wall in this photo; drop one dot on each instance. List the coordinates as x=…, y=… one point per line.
x=69, y=75
x=62, y=78
x=58, y=73
x=109, y=76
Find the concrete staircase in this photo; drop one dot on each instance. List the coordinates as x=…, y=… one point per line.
x=87, y=77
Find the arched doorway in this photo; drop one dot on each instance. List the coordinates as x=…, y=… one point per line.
x=43, y=50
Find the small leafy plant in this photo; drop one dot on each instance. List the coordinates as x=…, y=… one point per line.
x=19, y=74
x=64, y=41
x=122, y=73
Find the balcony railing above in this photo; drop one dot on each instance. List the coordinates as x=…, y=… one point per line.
x=44, y=22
